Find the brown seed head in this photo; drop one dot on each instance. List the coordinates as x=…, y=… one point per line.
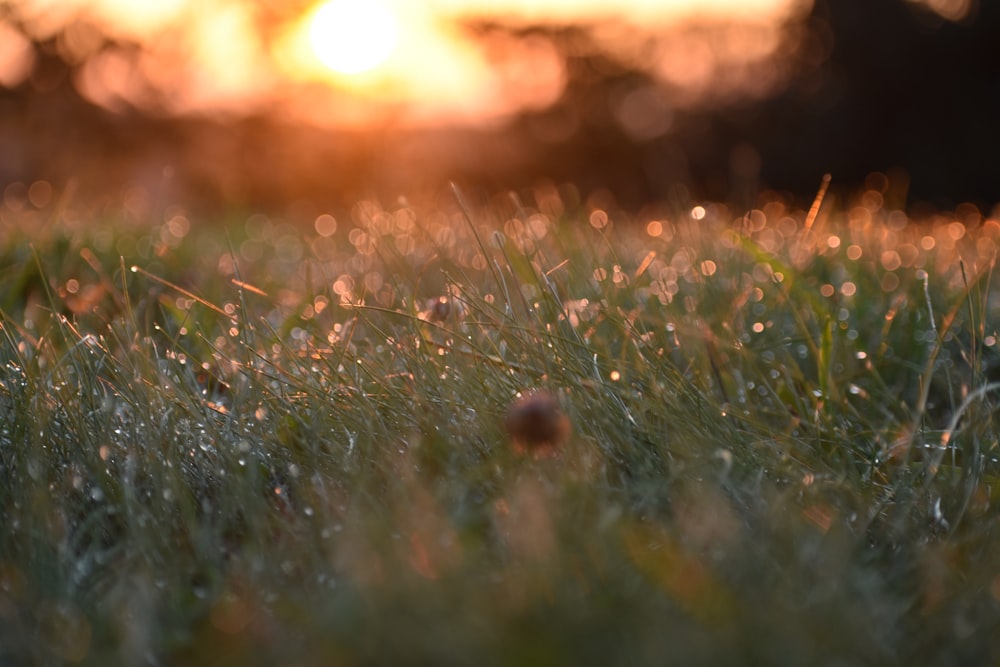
x=441, y=309
x=536, y=424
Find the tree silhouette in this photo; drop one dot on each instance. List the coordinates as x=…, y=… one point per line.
x=877, y=86
x=901, y=90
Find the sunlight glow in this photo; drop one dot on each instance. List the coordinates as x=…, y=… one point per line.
x=409, y=62
x=638, y=12
x=353, y=36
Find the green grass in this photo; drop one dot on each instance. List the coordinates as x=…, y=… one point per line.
x=248, y=443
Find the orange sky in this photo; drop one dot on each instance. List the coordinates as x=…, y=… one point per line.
x=212, y=55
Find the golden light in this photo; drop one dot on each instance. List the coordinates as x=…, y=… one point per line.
x=363, y=62
x=353, y=36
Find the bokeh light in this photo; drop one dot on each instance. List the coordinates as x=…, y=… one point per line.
x=421, y=62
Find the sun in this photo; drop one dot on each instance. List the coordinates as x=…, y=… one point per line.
x=353, y=36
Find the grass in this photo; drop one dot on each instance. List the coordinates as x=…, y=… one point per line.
x=251, y=443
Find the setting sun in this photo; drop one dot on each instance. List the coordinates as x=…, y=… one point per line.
x=353, y=36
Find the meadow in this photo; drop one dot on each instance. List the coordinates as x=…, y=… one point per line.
x=247, y=442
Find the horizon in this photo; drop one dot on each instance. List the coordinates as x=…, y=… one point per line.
x=434, y=68
x=204, y=99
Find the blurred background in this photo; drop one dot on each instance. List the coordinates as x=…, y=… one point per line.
x=294, y=106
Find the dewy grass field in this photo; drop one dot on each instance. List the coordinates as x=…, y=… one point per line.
x=242, y=444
